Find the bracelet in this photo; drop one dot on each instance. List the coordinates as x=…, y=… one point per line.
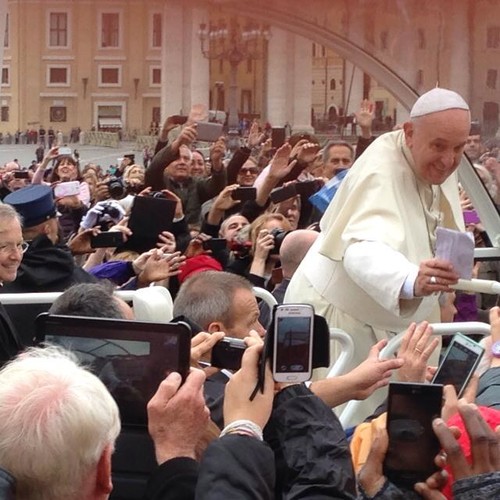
x=244, y=427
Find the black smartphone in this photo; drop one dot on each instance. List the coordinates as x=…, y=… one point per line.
x=227, y=353
x=459, y=363
x=307, y=188
x=179, y=119
x=283, y=193
x=215, y=244
x=278, y=136
x=107, y=239
x=21, y=174
x=413, y=445
x=244, y=193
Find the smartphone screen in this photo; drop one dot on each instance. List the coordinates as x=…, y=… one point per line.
x=412, y=442
x=292, y=358
x=244, y=193
x=459, y=363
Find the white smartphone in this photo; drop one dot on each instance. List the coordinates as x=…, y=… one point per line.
x=71, y=188
x=293, y=343
x=459, y=363
x=65, y=151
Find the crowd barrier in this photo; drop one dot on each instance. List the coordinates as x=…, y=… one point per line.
x=104, y=139
x=142, y=141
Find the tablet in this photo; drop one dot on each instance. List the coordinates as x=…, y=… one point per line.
x=130, y=357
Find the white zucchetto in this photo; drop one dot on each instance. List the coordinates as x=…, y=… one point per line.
x=436, y=100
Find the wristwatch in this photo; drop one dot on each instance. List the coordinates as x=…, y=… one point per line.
x=495, y=349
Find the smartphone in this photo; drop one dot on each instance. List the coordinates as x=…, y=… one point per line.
x=227, y=353
x=412, y=442
x=21, y=174
x=471, y=217
x=459, y=363
x=293, y=343
x=244, y=193
x=71, y=188
x=179, y=119
x=307, y=188
x=208, y=132
x=107, y=239
x=283, y=193
x=64, y=151
x=215, y=244
x=278, y=136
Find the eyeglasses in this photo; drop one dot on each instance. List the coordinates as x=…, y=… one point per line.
x=7, y=248
x=252, y=171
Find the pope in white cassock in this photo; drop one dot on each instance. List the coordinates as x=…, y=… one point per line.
x=372, y=271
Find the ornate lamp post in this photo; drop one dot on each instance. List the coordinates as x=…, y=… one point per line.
x=234, y=44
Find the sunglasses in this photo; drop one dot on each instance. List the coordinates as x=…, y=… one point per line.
x=251, y=170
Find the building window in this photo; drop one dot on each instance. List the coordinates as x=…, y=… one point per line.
x=5, y=76
x=110, y=76
x=156, y=114
x=156, y=31
x=491, y=79
x=58, y=29
x=221, y=65
x=421, y=38
x=58, y=76
x=333, y=84
x=110, y=29
x=493, y=37
x=314, y=49
x=323, y=51
x=4, y=113
x=383, y=40
x=420, y=78
x=155, y=76
x=6, y=35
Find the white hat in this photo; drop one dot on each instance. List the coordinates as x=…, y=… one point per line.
x=437, y=100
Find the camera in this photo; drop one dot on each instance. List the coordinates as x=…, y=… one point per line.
x=116, y=188
x=112, y=211
x=157, y=194
x=279, y=236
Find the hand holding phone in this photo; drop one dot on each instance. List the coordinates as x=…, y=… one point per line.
x=293, y=343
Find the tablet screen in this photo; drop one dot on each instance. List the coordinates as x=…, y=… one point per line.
x=131, y=358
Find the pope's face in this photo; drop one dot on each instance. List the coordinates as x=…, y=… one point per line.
x=437, y=142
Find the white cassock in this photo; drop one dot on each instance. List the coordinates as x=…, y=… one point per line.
x=376, y=231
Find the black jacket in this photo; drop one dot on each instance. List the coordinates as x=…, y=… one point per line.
x=47, y=268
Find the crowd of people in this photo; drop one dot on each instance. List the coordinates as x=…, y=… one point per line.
x=347, y=228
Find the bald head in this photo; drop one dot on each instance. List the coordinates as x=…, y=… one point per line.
x=294, y=248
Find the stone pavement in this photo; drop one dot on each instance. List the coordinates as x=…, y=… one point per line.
x=103, y=156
